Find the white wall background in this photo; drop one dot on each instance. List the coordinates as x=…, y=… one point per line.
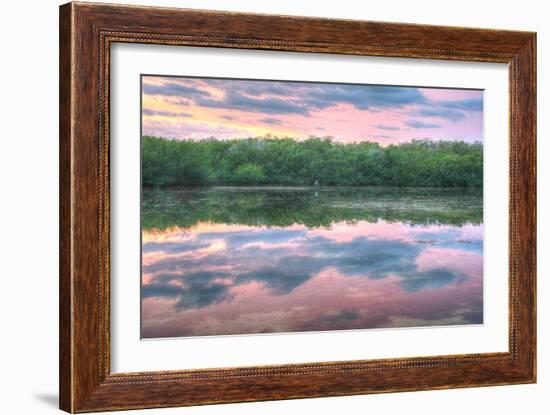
x=28, y=208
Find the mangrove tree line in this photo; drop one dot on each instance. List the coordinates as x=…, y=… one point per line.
x=315, y=161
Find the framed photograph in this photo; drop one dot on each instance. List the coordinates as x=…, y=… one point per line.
x=259, y=207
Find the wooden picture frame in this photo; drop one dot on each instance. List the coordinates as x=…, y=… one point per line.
x=86, y=33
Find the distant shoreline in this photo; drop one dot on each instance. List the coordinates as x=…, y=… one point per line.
x=316, y=162
x=268, y=186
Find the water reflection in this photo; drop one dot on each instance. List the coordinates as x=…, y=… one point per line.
x=250, y=271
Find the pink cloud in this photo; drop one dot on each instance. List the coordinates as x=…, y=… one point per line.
x=235, y=109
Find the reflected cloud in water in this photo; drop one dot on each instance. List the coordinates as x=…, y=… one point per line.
x=213, y=279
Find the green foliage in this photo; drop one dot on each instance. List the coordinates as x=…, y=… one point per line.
x=310, y=206
x=284, y=161
x=249, y=174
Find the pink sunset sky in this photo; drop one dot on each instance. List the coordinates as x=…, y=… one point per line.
x=200, y=108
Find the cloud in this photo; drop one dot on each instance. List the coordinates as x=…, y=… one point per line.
x=160, y=290
x=313, y=282
x=430, y=280
x=175, y=89
x=453, y=110
x=282, y=269
x=197, y=290
x=280, y=279
x=445, y=113
x=269, y=105
x=421, y=124
x=272, y=101
x=182, y=102
x=186, y=130
x=277, y=97
x=387, y=127
x=259, y=88
x=270, y=120
x=362, y=96
x=253, y=87
x=173, y=247
x=472, y=104
x=302, y=98
x=270, y=236
x=361, y=256
x=343, y=315
x=150, y=112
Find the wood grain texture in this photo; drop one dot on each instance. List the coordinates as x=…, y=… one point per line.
x=86, y=33
x=65, y=246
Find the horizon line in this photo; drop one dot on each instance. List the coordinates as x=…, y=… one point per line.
x=332, y=139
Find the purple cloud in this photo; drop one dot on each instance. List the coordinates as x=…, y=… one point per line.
x=421, y=124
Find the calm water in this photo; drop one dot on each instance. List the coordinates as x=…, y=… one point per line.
x=262, y=260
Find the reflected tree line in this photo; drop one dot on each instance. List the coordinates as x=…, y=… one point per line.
x=315, y=161
x=309, y=206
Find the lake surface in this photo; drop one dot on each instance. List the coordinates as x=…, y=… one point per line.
x=234, y=260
